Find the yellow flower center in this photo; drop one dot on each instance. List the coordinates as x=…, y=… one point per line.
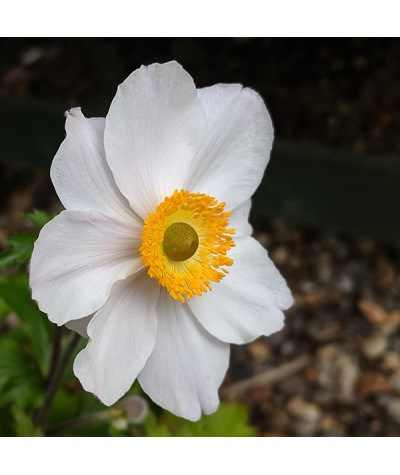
x=185, y=243
x=180, y=241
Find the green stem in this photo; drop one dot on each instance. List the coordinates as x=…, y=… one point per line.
x=55, y=354
x=81, y=421
x=55, y=380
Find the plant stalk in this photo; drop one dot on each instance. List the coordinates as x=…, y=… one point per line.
x=55, y=379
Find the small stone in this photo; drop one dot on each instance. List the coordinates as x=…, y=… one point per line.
x=373, y=382
x=393, y=409
x=298, y=407
x=387, y=321
x=323, y=268
x=391, y=360
x=395, y=381
x=288, y=348
x=31, y=56
x=374, y=313
x=259, y=350
x=374, y=346
x=345, y=284
x=329, y=426
x=311, y=374
x=386, y=273
x=338, y=373
x=280, y=255
x=263, y=238
x=306, y=416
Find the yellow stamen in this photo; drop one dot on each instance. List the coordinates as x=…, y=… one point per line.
x=185, y=243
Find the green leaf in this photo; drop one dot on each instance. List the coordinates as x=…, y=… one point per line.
x=4, y=309
x=23, y=425
x=15, y=293
x=155, y=428
x=20, y=246
x=40, y=218
x=230, y=420
x=20, y=378
x=19, y=250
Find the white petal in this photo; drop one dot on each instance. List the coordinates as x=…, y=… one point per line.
x=187, y=366
x=76, y=259
x=79, y=326
x=234, y=153
x=239, y=219
x=80, y=173
x=248, y=302
x=153, y=129
x=122, y=336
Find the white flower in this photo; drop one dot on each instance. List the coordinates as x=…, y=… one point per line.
x=143, y=259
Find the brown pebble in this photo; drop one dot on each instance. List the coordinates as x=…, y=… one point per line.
x=374, y=346
x=388, y=321
x=260, y=350
x=373, y=382
x=391, y=360
x=280, y=255
x=306, y=416
x=393, y=409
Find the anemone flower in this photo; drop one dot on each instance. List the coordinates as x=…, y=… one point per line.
x=152, y=259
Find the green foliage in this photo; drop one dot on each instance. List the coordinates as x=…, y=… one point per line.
x=230, y=420
x=23, y=424
x=20, y=246
x=20, y=377
x=4, y=310
x=36, y=327
x=25, y=346
x=19, y=249
x=39, y=218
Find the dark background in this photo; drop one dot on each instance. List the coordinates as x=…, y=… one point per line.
x=341, y=92
x=327, y=209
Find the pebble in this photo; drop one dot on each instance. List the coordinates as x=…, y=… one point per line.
x=330, y=426
x=338, y=372
x=346, y=284
x=393, y=409
x=395, y=381
x=386, y=273
x=31, y=56
x=387, y=321
x=391, y=360
x=306, y=416
x=263, y=238
x=280, y=255
x=373, y=382
x=260, y=350
x=374, y=346
x=324, y=268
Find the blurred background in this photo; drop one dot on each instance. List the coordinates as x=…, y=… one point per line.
x=327, y=210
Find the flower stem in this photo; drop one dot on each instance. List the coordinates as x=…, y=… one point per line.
x=55, y=354
x=55, y=378
x=80, y=421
